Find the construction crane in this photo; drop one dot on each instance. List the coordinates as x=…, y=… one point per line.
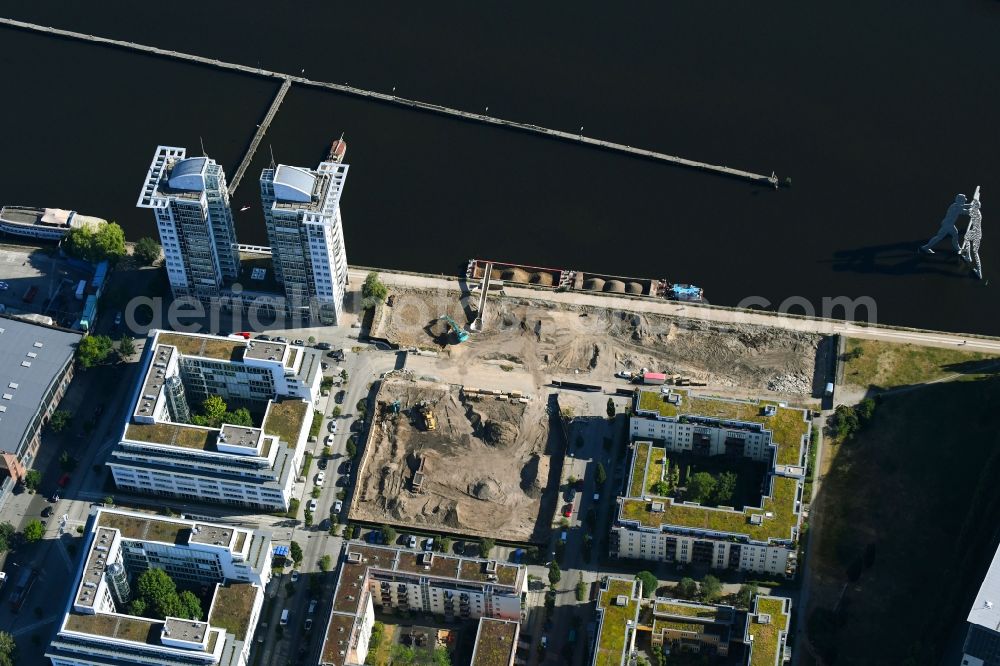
x=460, y=334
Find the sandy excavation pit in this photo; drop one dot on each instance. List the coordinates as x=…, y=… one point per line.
x=481, y=472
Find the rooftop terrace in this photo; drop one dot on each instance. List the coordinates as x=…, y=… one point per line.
x=173, y=434
x=774, y=519
x=767, y=636
x=612, y=640
x=139, y=528
x=495, y=642
x=232, y=607
x=788, y=426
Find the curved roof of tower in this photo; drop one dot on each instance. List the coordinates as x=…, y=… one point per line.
x=293, y=184
x=188, y=174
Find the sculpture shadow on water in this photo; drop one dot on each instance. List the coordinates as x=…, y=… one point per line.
x=902, y=258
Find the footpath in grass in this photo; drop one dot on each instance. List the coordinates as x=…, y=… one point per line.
x=907, y=516
x=883, y=365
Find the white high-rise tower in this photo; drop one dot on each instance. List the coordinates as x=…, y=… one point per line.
x=188, y=195
x=302, y=212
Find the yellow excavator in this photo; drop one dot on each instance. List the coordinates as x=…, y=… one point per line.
x=430, y=421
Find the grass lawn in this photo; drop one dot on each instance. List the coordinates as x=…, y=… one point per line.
x=884, y=365
x=919, y=486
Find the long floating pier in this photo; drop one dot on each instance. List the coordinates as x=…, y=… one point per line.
x=261, y=130
x=400, y=101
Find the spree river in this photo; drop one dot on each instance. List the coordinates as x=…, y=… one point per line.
x=879, y=112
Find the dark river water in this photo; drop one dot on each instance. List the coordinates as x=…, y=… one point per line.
x=879, y=111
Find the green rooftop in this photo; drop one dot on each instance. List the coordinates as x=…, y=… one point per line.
x=115, y=626
x=767, y=637
x=780, y=503
x=688, y=627
x=709, y=613
x=284, y=419
x=611, y=642
x=145, y=529
x=788, y=426
x=172, y=434
x=494, y=643
x=232, y=607
x=222, y=349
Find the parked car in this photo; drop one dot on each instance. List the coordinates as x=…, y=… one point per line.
x=325, y=366
x=309, y=624
x=320, y=478
x=459, y=547
x=429, y=545
x=311, y=507
x=339, y=398
x=46, y=512
x=281, y=339
x=299, y=342
x=328, y=440
x=567, y=510
x=4, y=286
x=263, y=337
x=343, y=481
x=579, y=485
x=338, y=506
x=345, y=467
x=118, y=319
x=295, y=575
x=332, y=427
x=322, y=346
x=411, y=542
x=322, y=463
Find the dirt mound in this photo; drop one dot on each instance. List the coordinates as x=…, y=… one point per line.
x=487, y=490
x=634, y=288
x=593, y=284
x=614, y=287
x=514, y=275
x=499, y=434
x=542, y=279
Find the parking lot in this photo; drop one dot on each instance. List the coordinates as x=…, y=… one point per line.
x=50, y=280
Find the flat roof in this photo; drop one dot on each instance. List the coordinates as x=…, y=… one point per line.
x=32, y=357
x=142, y=528
x=173, y=434
x=767, y=637
x=232, y=607
x=985, y=609
x=696, y=611
x=611, y=641
x=257, y=273
x=496, y=642
x=265, y=350
x=775, y=519
x=208, y=346
x=121, y=627
x=284, y=419
x=789, y=425
x=212, y=534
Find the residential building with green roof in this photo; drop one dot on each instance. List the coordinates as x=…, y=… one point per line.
x=618, y=604
x=759, y=537
x=97, y=628
x=162, y=452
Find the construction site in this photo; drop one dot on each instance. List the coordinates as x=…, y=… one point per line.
x=473, y=462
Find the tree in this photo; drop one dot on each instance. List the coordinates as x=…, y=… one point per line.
x=711, y=588
x=611, y=408
x=34, y=531
x=373, y=291
x=126, y=347
x=686, y=588
x=352, y=448
x=32, y=479
x=240, y=417
x=92, y=350
x=159, y=592
x=343, y=375
x=389, y=534
x=581, y=588
x=60, y=420
x=700, y=487
x=485, y=546
x=296, y=552
x=725, y=488
x=600, y=475
x=661, y=488
x=106, y=242
x=746, y=594
x=214, y=409
x=191, y=605
x=137, y=607
x=6, y=534
x=555, y=574
x=445, y=544
x=8, y=649
x=147, y=250
x=109, y=500
x=865, y=410
x=649, y=582
x=843, y=423
x=326, y=563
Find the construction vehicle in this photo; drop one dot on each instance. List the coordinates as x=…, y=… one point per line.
x=393, y=408
x=430, y=421
x=460, y=334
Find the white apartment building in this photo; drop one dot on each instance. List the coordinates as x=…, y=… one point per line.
x=305, y=231
x=97, y=629
x=757, y=538
x=190, y=201
x=393, y=580
x=160, y=452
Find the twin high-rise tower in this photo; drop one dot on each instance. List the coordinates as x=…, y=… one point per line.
x=302, y=213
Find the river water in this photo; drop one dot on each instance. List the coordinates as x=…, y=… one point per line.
x=879, y=112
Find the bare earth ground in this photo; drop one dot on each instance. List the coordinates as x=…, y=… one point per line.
x=485, y=465
x=548, y=340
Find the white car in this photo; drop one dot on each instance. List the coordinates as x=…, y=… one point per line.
x=4, y=286
x=338, y=506
x=328, y=440
x=332, y=427
x=320, y=478
x=311, y=507
x=412, y=541
x=295, y=575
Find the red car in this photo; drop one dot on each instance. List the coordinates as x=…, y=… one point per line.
x=64, y=480
x=568, y=510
